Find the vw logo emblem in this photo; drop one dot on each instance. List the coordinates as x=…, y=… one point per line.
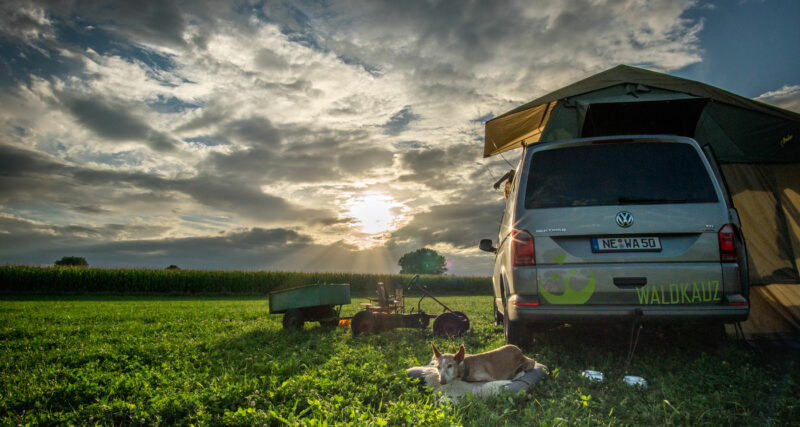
x=624, y=219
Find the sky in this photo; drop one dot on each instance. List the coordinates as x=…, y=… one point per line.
x=315, y=135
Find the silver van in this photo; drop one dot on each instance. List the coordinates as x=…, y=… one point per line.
x=610, y=228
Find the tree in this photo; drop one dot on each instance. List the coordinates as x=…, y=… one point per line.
x=422, y=261
x=72, y=261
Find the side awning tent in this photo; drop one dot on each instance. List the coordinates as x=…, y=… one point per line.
x=757, y=144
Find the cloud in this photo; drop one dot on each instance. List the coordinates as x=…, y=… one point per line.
x=211, y=134
x=24, y=21
x=400, y=121
x=440, y=168
x=787, y=97
x=216, y=192
x=69, y=184
x=461, y=225
x=253, y=131
x=115, y=122
x=303, y=155
x=267, y=59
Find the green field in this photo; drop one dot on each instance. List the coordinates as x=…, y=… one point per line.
x=178, y=360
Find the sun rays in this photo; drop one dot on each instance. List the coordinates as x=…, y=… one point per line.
x=371, y=216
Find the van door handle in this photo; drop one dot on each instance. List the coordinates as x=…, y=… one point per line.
x=630, y=282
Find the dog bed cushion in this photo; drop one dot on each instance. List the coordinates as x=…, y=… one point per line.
x=429, y=376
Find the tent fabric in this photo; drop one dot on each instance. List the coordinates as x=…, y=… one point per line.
x=641, y=78
x=788, y=183
x=774, y=312
x=763, y=222
x=753, y=136
x=526, y=126
x=753, y=131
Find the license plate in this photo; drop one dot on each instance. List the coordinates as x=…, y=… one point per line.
x=626, y=244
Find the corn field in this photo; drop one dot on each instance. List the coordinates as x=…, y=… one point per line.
x=49, y=280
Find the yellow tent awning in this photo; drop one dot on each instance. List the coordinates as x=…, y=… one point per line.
x=514, y=130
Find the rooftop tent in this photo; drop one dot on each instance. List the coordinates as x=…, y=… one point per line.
x=740, y=129
x=757, y=144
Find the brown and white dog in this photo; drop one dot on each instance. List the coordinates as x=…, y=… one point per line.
x=501, y=364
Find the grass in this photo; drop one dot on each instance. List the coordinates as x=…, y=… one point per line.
x=167, y=360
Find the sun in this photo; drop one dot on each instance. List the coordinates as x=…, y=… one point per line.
x=372, y=213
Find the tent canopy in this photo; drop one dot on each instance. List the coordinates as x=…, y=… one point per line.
x=629, y=100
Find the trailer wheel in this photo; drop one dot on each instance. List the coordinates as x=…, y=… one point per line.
x=448, y=325
x=330, y=313
x=293, y=319
x=364, y=323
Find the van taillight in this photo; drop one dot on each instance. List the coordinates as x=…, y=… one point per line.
x=727, y=244
x=522, y=248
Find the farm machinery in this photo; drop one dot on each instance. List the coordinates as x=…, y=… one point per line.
x=323, y=303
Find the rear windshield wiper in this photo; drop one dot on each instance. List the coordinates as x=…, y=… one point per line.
x=647, y=200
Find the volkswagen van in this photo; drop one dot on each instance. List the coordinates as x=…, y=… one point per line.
x=612, y=228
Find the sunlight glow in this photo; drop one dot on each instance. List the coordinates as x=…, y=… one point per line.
x=372, y=213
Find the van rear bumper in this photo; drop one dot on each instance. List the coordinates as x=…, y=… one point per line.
x=580, y=313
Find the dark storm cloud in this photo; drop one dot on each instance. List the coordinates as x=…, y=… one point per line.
x=114, y=121
x=461, y=224
x=242, y=198
x=16, y=162
x=154, y=21
x=151, y=20
x=440, y=167
x=254, y=130
x=262, y=238
x=20, y=236
x=363, y=159
x=29, y=176
x=245, y=199
x=90, y=209
x=269, y=166
x=305, y=155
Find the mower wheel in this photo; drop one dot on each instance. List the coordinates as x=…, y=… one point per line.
x=423, y=320
x=464, y=319
x=364, y=323
x=293, y=319
x=449, y=325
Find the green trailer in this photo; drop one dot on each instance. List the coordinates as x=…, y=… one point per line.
x=323, y=304
x=314, y=303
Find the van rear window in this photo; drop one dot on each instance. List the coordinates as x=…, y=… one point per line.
x=618, y=174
